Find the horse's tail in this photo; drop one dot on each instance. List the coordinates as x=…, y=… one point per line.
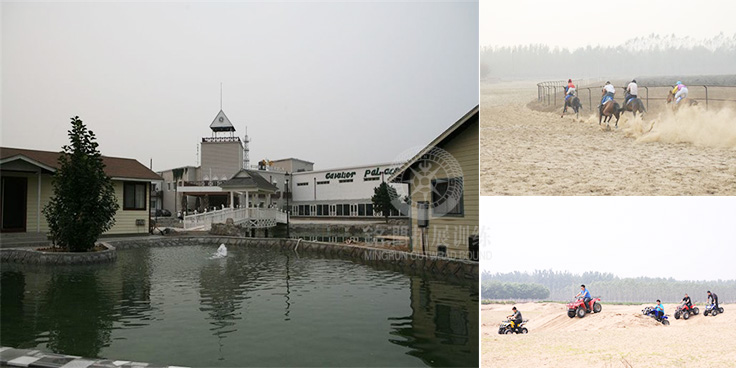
x=641, y=106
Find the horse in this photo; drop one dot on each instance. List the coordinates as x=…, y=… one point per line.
x=610, y=108
x=671, y=98
x=634, y=105
x=574, y=103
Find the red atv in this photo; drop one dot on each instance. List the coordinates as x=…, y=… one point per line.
x=577, y=307
x=685, y=312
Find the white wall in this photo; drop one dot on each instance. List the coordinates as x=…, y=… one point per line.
x=359, y=188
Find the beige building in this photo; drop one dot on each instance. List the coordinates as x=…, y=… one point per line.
x=292, y=165
x=26, y=188
x=443, y=187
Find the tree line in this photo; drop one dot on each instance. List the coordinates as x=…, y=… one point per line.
x=491, y=289
x=624, y=61
x=563, y=285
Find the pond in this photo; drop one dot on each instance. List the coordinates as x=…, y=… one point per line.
x=258, y=306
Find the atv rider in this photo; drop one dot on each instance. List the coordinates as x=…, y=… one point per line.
x=608, y=92
x=631, y=91
x=585, y=294
x=569, y=89
x=680, y=92
x=713, y=298
x=687, y=302
x=515, y=319
x=658, y=310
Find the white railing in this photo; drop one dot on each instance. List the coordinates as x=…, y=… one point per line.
x=252, y=217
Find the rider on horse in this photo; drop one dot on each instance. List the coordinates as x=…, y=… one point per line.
x=680, y=92
x=569, y=90
x=631, y=91
x=608, y=92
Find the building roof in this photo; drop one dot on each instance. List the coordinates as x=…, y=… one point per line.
x=292, y=159
x=115, y=167
x=442, y=138
x=222, y=123
x=250, y=180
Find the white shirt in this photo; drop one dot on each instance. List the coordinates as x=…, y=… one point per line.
x=609, y=88
x=633, y=88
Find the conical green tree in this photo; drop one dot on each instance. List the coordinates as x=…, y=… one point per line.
x=383, y=195
x=84, y=203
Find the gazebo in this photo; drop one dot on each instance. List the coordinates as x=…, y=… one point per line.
x=248, y=183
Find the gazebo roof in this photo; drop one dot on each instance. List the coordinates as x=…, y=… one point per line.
x=249, y=180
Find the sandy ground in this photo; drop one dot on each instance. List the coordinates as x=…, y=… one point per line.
x=619, y=336
x=529, y=152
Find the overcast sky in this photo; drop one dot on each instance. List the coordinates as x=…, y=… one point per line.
x=688, y=238
x=579, y=23
x=338, y=84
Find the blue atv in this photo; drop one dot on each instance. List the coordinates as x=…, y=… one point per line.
x=649, y=311
x=711, y=309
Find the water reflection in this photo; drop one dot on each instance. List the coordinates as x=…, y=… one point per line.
x=177, y=306
x=450, y=318
x=79, y=313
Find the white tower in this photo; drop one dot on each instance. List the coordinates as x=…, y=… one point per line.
x=246, y=150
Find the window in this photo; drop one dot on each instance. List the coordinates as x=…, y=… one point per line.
x=134, y=196
x=369, y=209
x=361, y=209
x=302, y=184
x=323, y=210
x=303, y=210
x=345, y=209
x=169, y=184
x=323, y=182
x=371, y=179
x=447, y=197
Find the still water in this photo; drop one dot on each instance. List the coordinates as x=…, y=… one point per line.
x=176, y=306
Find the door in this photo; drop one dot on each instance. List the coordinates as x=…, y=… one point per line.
x=13, y=206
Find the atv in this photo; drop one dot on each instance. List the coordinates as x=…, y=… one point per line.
x=578, y=308
x=505, y=328
x=711, y=309
x=685, y=312
x=649, y=311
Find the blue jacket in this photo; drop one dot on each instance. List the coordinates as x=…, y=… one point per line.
x=659, y=307
x=585, y=294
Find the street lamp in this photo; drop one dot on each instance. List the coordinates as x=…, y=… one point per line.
x=288, y=208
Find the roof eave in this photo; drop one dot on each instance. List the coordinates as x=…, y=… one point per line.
x=437, y=141
x=28, y=160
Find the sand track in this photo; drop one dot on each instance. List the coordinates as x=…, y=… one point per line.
x=617, y=336
x=528, y=152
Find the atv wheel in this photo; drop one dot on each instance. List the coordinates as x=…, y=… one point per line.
x=524, y=330
x=571, y=313
x=714, y=312
x=720, y=309
x=509, y=332
x=677, y=315
x=500, y=331
x=696, y=311
x=685, y=315
x=580, y=312
x=705, y=313
x=597, y=307
x=665, y=322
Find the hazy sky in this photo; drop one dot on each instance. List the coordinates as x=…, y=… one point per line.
x=578, y=23
x=338, y=84
x=688, y=238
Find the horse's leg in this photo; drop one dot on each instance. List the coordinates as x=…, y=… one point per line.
x=617, y=117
